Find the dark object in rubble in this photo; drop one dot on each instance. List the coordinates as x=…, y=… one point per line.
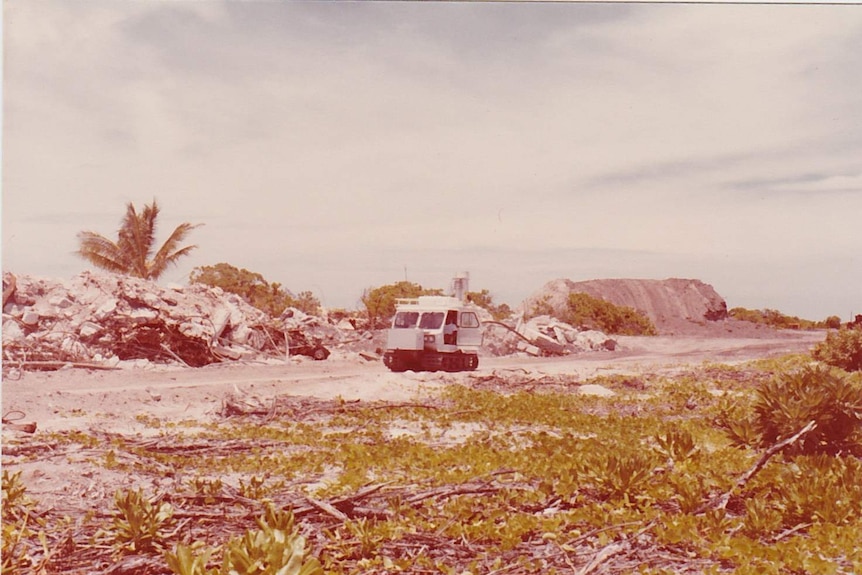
x=301, y=345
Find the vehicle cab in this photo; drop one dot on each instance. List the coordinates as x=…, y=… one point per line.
x=433, y=332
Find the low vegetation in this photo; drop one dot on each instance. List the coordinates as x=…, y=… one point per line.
x=267, y=296
x=484, y=299
x=379, y=302
x=778, y=320
x=595, y=313
x=842, y=348
x=588, y=312
x=742, y=469
x=585, y=311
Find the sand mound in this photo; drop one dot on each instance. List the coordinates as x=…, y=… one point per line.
x=670, y=303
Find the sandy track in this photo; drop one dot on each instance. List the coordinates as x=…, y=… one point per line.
x=114, y=400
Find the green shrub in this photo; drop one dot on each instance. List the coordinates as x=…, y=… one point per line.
x=542, y=307
x=276, y=548
x=16, y=504
x=139, y=523
x=786, y=404
x=773, y=318
x=254, y=289
x=17, y=532
x=842, y=348
x=486, y=300
x=379, y=302
x=585, y=310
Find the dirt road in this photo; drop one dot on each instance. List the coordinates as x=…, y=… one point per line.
x=116, y=401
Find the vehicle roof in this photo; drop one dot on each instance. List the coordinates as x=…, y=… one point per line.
x=430, y=303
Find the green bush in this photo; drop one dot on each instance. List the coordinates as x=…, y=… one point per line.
x=276, y=548
x=775, y=318
x=16, y=529
x=833, y=401
x=139, y=524
x=842, y=348
x=585, y=310
x=485, y=300
x=542, y=307
x=379, y=302
x=254, y=289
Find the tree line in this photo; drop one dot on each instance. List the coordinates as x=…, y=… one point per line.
x=134, y=253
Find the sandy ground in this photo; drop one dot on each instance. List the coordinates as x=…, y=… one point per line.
x=71, y=480
x=116, y=401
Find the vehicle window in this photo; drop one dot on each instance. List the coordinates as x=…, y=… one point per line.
x=469, y=319
x=406, y=319
x=431, y=320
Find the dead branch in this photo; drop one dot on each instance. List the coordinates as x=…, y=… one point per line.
x=136, y=564
x=168, y=351
x=328, y=509
x=791, y=531
x=602, y=556
x=401, y=406
x=720, y=501
x=8, y=421
x=25, y=427
x=450, y=491
x=49, y=365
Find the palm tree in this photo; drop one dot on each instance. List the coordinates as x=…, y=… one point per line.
x=130, y=254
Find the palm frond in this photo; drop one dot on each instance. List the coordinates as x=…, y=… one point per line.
x=137, y=235
x=172, y=243
x=136, y=238
x=170, y=252
x=101, y=252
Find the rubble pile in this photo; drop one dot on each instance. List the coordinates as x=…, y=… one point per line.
x=542, y=336
x=107, y=321
x=104, y=320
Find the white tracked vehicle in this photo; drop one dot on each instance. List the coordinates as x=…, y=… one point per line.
x=432, y=333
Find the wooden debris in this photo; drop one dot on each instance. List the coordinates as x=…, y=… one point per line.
x=97, y=317
x=11, y=423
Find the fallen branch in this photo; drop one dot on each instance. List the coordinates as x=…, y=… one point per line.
x=602, y=556
x=720, y=502
x=170, y=352
x=25, y=427
x=329, y=509
x=445, y=492
x=10, y=423
x=55, y=365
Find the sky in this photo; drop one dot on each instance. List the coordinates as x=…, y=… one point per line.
x=339, y=146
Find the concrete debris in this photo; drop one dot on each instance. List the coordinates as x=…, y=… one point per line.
x=543, y=336
x=102, y=320
x=99, y=320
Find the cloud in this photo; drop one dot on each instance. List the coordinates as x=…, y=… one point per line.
x=804, y=184
x=318, y=139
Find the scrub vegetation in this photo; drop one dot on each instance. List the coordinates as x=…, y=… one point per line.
x=778, y=320
x=744, y=469
x=842, y=348
x=588, y=312
x=379, y=302
x=267, y=296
